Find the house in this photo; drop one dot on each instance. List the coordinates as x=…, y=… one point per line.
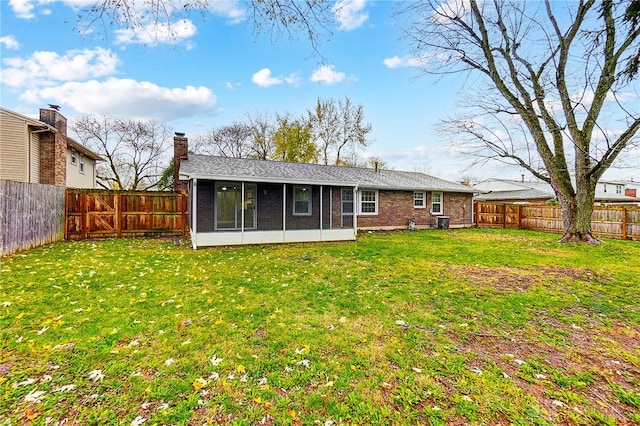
x=537, y=192
x=246, y=201
x=617, y=192
x=39, y=151
x=514, y=191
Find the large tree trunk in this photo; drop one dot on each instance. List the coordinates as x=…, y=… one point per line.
x=576, y=214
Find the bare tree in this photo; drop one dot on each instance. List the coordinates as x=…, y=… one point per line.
x=312, y=18
x=263, y=128
x=233, y=140
x=134, y=150
x=554, y=95
x=338, y=125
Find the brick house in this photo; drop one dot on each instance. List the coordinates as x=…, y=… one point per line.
x=246, y=201
x=39, y=151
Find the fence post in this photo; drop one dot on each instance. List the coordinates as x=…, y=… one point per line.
x=84, y=215
x=624, y=223
x=116, y=211
x=504, y=215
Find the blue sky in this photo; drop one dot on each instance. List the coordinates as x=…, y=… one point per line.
x=215, y=70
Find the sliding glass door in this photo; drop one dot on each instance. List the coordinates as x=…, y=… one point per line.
x=230, y=206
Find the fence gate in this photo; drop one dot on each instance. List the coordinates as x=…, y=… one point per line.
x=115, y=214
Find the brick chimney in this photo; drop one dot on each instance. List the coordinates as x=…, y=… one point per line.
x=180, y=152
x=53, y=148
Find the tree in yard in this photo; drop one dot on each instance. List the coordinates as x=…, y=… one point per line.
x=555, y=101
x=157, y=18
x=338, y=125
x=293, y=141
x=233, y=140
x=134, y=150
x=262, y=127
x=632, y=15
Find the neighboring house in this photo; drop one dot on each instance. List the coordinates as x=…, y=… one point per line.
x=617, y=192
x=514, y=191
x=537, y=191
x=245, y=201
x=39, y=151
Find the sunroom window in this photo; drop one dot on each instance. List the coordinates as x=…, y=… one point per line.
x=302, y=201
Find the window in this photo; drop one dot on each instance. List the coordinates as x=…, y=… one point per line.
x=81, y=163
x=605, y=187
x=302, y=201
x=74, y=156
x=619, y=189
x=436, y=203
x=369, y=202
x=419, y=200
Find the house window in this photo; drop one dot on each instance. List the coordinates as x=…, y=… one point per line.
x=618, y=189
x=74, y=157
x=302, y=201
x=436, y=203
x=419, y=199
x=369, y=202
x=605, y=187
x=81, y=163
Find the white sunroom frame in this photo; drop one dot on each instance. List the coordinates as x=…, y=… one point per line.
x=254, y=236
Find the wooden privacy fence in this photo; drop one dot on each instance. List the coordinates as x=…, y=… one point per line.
x=31, y=215
x=620, y=222
x=115, y=214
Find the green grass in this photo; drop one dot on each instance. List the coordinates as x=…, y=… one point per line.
x=431, y=327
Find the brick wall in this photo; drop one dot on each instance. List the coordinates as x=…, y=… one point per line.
x=395, y=208
x=53, y=149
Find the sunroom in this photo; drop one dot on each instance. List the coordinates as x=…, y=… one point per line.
x=277, y=203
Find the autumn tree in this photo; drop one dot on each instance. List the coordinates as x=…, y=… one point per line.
x=338, y=125
x=294, y=142
x=134, y=150
x=552, y=94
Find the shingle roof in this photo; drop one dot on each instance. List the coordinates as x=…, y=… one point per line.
x=518, y=194
x=244, y=169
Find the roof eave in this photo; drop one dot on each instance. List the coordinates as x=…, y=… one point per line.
x=254, y=179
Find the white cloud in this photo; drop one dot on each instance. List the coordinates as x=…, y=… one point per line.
x=126, y=97
x=404, y=62
x=327, y=75
x=263, y=78
x=228, y=9
x=43, y=67
x=22, y=8
x=157, y=33
x=350, y=14
x=25, y=9
x=9, y=42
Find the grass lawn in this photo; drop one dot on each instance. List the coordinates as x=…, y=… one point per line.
x=431, y=327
